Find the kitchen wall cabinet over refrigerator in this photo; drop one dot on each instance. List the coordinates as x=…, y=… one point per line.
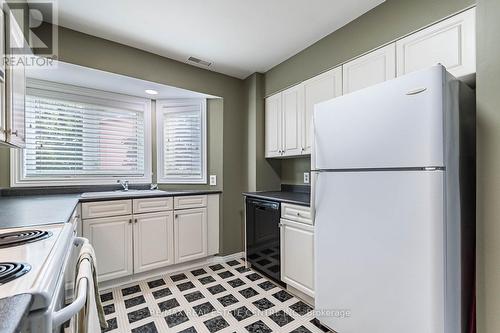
x=451, y=42
x=372, y=68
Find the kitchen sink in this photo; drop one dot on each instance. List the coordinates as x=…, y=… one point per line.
x=118, y=193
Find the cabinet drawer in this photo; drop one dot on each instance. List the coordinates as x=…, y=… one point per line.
x=106, y=208
x=296, y=213
x=152, y=205
x=191, y=201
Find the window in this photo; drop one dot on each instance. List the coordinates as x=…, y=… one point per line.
x=81, y=136
x=181, y=139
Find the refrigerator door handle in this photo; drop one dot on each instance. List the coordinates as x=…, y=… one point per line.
x=416, y=91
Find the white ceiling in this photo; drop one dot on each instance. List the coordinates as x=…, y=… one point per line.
x=105, y=81
x=240, y=37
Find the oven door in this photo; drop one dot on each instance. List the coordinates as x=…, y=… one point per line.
x=58, y=315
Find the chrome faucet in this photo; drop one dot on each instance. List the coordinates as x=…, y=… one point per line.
x=123, y=183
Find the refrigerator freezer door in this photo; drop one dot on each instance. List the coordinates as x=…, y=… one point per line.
x=379, y=249
x=398, y=123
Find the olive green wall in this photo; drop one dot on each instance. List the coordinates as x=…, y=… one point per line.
x=383, y=24
x=226, y=159
x=387, y=22
x=261, y=174
x=488, y=166
x=292, y=170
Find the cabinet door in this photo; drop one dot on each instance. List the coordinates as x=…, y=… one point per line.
x=297, y=256
x=372, y=68
x=153, y=241
x=190, y=232
x=3, y=129
x=273, y=125
x=451, y=43
x=111, y=238
x=16, y=88
x=318, y=89
x=293, y=108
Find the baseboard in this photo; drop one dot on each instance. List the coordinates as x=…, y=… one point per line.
x=237, y=255
x=306, y=298
x=169, y=270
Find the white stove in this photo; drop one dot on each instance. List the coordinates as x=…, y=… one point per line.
x=45, y=250
x=38, y=260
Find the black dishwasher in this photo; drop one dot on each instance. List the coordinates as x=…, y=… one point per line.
x=263, y=236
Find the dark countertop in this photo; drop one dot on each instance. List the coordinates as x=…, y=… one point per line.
x=30, y=210
x=138, y=195
x=13, y=311
x=33, y=210
x=297, y=198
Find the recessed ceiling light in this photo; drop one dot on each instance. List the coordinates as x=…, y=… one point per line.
x=151, y=92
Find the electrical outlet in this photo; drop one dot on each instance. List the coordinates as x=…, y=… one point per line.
x=306, y=177
x=213, y=180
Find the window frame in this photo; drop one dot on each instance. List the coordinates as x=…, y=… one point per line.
x=58, y=90
x=160, y=104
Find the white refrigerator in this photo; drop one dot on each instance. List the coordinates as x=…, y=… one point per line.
x=394, y=199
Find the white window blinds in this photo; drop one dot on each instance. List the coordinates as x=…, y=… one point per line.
x=181, y=141
x=71, y=136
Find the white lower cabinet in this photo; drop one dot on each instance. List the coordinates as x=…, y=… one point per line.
x=190, y=230
x=153, y=241
x=297, y=256
x=111, y=238
x=138, y=240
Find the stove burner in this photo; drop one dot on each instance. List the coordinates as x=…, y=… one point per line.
x=21, y=237
x=12, y=270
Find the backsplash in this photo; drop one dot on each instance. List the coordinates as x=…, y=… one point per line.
x=292, y=170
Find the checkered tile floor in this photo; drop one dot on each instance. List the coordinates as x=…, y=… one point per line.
x=222, y=298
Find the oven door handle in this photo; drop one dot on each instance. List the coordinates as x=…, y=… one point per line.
x=66, y=313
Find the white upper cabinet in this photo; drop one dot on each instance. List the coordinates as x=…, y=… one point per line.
x=318, y=89
x=16, y=88
x=293, y=106
x=273, y=131
x=372, y=68
x=451, y=42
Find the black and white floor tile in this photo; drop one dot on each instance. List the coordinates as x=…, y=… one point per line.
x=225, y=297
